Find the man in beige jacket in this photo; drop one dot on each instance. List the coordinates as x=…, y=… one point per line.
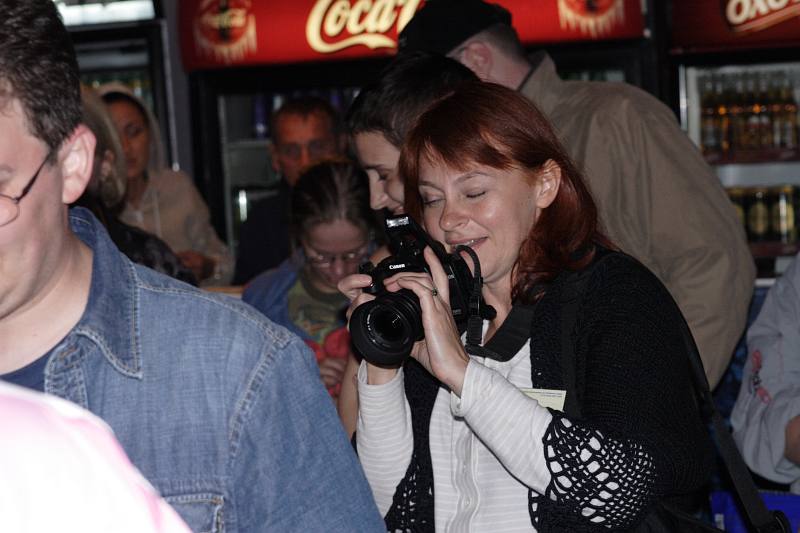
x=658, y=199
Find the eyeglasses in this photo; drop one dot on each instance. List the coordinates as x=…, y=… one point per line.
x=322, y=260
x=317, y=149
x=9, y=205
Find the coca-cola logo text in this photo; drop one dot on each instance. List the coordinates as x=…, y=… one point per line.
x=757, y=15
x=366, y=21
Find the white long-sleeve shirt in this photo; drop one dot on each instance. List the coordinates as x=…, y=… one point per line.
x=486, y=447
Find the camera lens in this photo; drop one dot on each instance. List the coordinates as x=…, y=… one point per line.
x=387, y=326
x=384, y=330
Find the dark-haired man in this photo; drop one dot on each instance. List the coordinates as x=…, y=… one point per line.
x=657, y=198
x=219, y=408
x=304, y=131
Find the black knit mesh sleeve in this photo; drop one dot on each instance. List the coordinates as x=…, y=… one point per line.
x=412, y=505
x=608, y=481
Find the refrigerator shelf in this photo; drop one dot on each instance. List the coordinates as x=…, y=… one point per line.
x=753, y=156
x=772, y=249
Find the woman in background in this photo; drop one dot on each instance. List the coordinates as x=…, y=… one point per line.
x=105, y=196
x=162, y=201
x=331, y=231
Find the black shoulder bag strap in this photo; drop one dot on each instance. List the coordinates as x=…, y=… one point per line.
x=761, y=519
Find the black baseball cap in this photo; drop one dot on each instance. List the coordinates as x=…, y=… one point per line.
x=441, y=25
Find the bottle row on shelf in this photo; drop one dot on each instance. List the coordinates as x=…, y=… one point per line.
x=749, y=116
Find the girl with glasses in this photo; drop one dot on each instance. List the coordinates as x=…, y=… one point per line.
x=330, y=223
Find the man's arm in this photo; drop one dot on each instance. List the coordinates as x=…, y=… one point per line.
x=294, y=469
x=764, y=417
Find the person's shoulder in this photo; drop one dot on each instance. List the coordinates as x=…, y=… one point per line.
x=206, y=313
x=619, y=276
x=270, y=280
x=616, y=101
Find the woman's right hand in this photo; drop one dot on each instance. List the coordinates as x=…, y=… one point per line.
x=353, y=287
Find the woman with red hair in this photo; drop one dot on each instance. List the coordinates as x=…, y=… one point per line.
x=584, y=425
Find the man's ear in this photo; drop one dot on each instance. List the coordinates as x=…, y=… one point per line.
x=548, y=182
x=477, y=56
x=76, y=159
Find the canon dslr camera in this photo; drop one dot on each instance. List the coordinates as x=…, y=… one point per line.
x=384, y=330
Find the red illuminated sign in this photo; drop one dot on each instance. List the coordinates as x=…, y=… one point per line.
x=707, y=24
x=219, y=33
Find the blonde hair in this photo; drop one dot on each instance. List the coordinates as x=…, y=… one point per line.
x=106, y=187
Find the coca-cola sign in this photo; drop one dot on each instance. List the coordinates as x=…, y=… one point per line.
x=219, y=33
x=334, y=25
x=707, y=25
x=225, y=29
x=757, y=15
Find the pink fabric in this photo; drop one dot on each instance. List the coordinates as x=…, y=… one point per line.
x=61, y=469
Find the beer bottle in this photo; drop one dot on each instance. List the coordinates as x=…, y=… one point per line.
x=765, y=122
x=750, y=120
x=782, y=215
x=776, y=108
x=709, y=131
x=789, y=116
x=738, y=114
x=737, y=197
x=724, y=115
x=758, y=215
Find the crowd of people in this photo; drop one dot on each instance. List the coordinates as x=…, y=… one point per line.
x=562, y=400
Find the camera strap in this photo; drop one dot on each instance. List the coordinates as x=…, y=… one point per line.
x=511, y=335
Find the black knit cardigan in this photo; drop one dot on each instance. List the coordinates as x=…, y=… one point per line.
x=640, y=438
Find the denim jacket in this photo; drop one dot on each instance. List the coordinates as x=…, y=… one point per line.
x=220, y=409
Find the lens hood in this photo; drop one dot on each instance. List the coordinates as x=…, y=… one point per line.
x=385, y=329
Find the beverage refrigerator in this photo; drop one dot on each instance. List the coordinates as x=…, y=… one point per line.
x=737, y=88
x=735, y=83
x=245, y=58
x=125, y=41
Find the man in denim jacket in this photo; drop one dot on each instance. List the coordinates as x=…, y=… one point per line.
x=220, y=409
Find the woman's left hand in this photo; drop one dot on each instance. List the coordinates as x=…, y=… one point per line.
x=441, y=352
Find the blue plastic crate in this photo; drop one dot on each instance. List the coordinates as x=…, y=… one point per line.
x=725, y=510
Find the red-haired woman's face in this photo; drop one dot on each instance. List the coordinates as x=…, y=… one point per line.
x=488, y=209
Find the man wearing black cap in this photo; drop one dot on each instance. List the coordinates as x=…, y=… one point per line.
x=658, y=199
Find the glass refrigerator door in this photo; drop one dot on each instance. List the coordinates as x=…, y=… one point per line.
x=125, y=61
x=744, y=118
